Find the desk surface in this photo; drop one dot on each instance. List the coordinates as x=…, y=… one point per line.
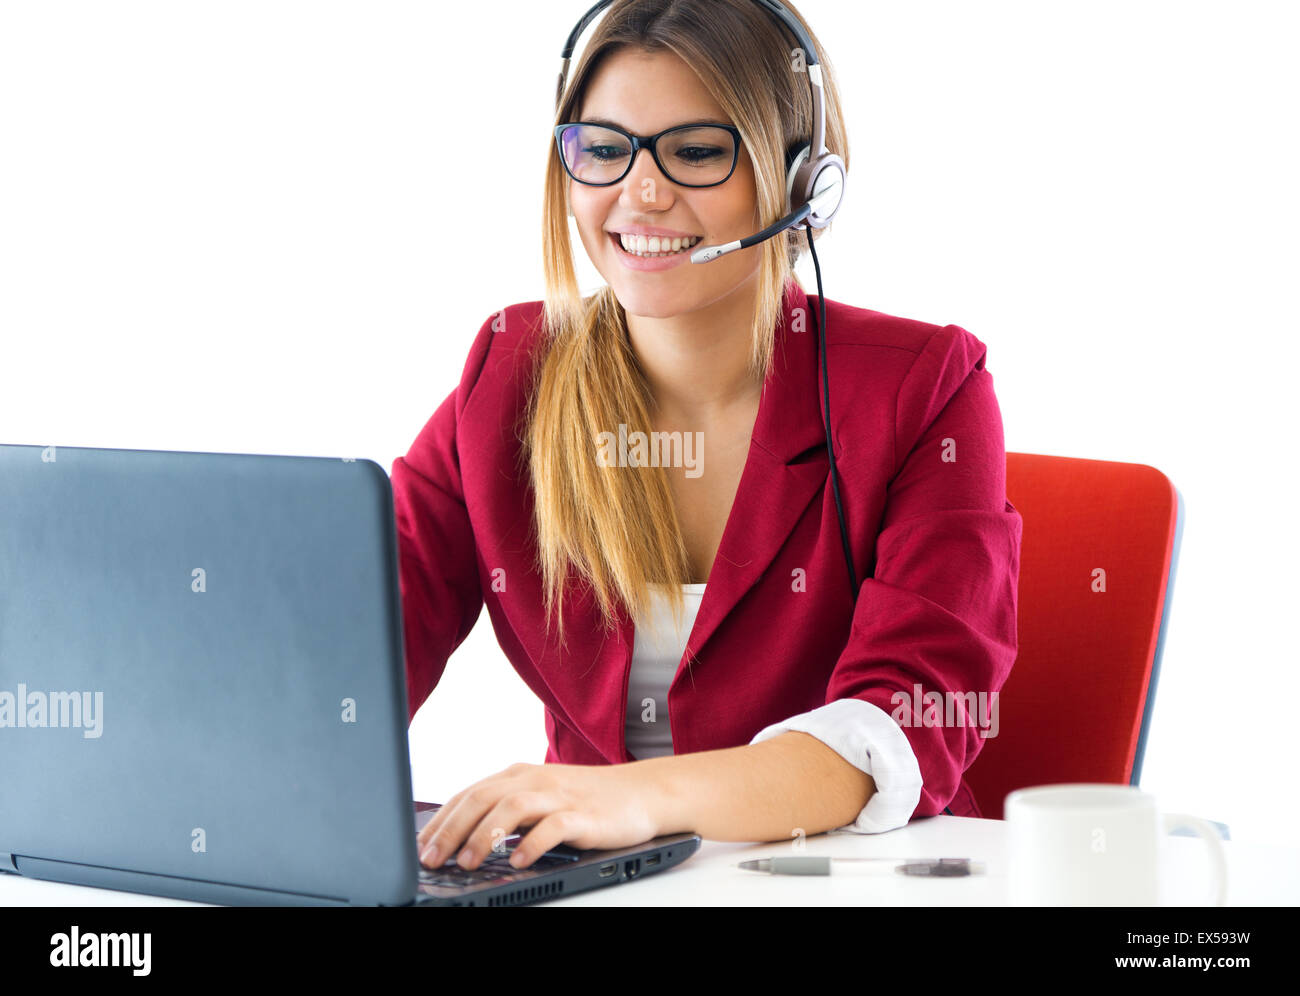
x=1258, y=875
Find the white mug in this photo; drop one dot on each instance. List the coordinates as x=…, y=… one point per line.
x=1095, y=845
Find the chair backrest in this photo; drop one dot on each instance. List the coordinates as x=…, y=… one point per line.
x=1098, y=557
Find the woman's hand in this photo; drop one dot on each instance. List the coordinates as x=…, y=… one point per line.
x=587, y=806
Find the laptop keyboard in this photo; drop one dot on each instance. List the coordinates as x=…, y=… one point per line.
x=495, y=867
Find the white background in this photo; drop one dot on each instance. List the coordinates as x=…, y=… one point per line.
x=274, y=227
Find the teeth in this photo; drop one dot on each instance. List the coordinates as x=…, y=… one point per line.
x=654, y=245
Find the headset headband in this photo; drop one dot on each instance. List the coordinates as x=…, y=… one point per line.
x=817, y=147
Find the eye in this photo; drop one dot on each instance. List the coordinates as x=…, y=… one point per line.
x=695, y=154
x=604, y=153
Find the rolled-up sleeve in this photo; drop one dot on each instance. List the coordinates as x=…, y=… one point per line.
x=872, y=742
x=935, y=625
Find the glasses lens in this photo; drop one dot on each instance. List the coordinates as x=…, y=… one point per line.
x=696, y=156
x=594, y=154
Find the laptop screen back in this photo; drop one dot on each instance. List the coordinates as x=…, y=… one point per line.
x=201, y=670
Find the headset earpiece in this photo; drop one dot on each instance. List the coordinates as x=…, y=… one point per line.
x=823, y=177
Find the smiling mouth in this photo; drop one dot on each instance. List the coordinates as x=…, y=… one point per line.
x=640, y=245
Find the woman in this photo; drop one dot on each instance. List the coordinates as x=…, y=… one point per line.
x=791, y=708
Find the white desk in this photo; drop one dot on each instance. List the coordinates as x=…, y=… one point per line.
x=1258, y=875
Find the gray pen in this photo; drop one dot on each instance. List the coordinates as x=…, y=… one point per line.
x=821, y=865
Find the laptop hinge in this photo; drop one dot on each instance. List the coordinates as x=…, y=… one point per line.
x=7, y=864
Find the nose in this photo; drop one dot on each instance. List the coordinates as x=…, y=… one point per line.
x=645, y=183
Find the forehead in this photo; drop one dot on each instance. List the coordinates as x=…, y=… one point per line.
x=646, y=92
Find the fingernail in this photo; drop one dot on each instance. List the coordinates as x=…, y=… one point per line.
x=430, y=856
x=465, y=857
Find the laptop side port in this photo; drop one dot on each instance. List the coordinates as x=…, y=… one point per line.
x=607, y=870
x=632, y=868
x=652, y=860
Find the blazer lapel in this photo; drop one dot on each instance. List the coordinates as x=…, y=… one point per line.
x=774, y=489
x=785, y=468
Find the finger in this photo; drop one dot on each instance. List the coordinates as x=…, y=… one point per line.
x=518, y=808
x=439, y=839
x=435, y=825
x=436, y=821
x=458, y=818
x=558, y=827
x=429, y=829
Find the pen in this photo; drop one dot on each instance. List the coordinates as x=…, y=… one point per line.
x=821, y=865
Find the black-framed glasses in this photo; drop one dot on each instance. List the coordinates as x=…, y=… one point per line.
x=692, y=155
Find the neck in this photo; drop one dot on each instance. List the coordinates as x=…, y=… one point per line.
x=697, y=362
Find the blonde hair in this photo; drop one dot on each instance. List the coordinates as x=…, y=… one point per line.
x=618, y=533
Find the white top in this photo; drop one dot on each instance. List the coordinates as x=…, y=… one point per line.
x=858, y=731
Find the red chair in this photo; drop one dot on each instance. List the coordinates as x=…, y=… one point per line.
x=1098, y=557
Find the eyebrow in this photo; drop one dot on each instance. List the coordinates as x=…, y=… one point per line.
x=614, y=124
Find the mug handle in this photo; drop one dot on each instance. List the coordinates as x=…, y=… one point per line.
x=1207, y=833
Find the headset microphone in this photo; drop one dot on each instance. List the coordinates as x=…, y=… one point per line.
x=776, y=228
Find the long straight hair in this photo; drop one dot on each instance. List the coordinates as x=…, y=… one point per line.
x=614, y=532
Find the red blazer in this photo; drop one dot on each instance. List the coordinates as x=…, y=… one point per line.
x=936, y=548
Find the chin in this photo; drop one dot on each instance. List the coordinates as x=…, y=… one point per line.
x=646, y=302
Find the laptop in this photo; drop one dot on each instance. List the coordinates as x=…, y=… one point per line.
x=203, y=691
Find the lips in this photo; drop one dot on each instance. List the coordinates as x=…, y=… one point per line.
x=648, y=264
